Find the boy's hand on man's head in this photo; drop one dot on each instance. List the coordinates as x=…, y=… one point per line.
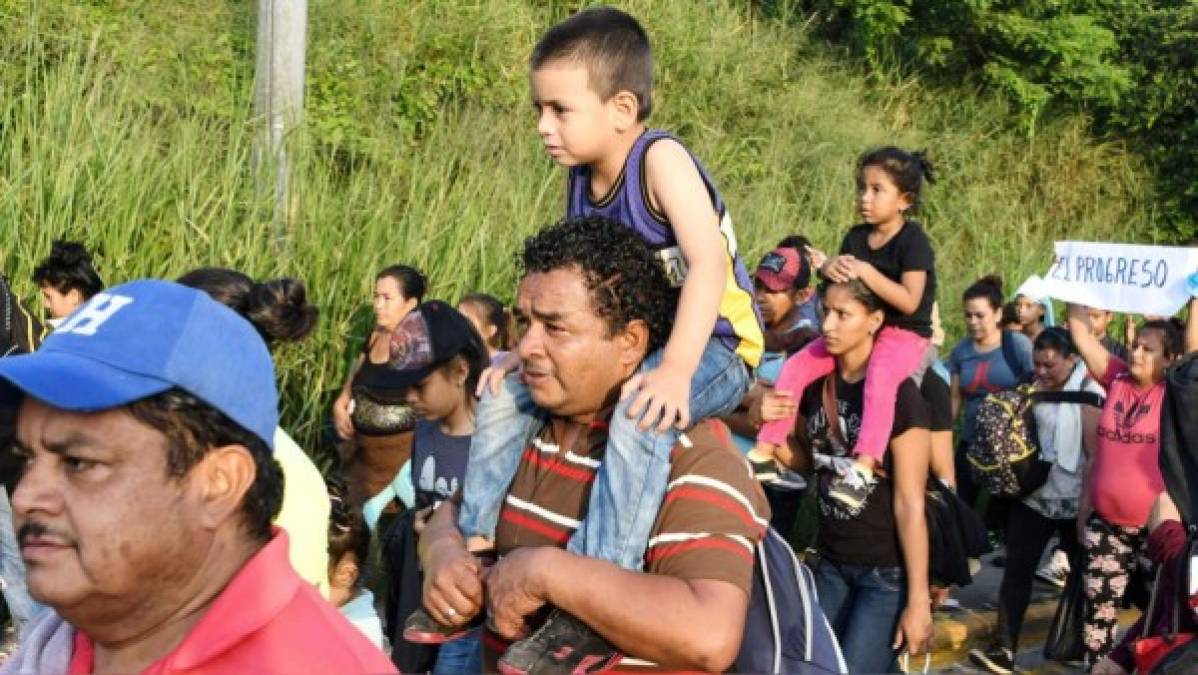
x=662, y=398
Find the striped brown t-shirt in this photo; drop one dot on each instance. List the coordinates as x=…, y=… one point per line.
x=712, y=515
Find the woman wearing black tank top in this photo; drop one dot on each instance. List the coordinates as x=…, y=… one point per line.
x=375, y=426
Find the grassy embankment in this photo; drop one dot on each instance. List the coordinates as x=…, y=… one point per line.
x=126, y=125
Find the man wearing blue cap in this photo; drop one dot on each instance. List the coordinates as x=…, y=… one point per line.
x=143, y=515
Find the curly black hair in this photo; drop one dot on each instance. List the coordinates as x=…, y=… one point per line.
x=68, y=268
x=624, y=278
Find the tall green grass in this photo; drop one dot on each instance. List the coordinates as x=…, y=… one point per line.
x=127, y=125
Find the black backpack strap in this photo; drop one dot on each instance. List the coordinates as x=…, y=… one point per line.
x=1080, y=397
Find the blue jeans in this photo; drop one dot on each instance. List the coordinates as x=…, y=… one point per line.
x=12, y=571
x=632, y=479
x=460, y=656
x=863, y=604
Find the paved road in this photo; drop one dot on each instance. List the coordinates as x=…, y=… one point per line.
x=981, y=597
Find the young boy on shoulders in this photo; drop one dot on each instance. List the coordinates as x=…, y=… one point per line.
x=592, y=80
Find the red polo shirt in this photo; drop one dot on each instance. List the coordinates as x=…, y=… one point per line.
x=267, y=620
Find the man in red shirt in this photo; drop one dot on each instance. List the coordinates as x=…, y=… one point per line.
x=144, y=511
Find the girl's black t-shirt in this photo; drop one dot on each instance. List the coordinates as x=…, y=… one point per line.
x=908, y=250
x=870, y=538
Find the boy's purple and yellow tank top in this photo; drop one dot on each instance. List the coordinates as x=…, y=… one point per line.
x=739, y=325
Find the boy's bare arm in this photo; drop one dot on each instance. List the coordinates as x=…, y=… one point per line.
x=680, y=193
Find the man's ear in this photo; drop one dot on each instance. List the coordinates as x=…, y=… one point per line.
x=634, y=343
x=224, y=477
x=625, y=108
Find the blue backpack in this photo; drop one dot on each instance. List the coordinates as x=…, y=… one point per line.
x=785, y=628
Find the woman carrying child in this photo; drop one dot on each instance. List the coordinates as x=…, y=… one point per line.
x=892, y=257
x=872, y=569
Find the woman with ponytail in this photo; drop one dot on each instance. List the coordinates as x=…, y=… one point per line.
x=980, y=364
x=279, y=310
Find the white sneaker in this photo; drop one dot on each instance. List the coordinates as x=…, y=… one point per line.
x=1056, y=571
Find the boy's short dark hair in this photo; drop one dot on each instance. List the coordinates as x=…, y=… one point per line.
x=611, y=45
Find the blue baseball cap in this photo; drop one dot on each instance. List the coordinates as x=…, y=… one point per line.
x=142, y=338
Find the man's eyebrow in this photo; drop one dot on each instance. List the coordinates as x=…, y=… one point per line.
x=547, y=316
x=74, y=440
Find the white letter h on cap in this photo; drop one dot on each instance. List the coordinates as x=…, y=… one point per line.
x=91, y=316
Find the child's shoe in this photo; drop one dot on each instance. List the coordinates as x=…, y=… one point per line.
x=765, y=470
x=852, y=489
x=421, y=628
x=563, y=644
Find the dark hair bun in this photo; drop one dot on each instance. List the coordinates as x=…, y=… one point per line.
x=280, y=311
x=278, y=308
x=991, y=280
x=69, y=253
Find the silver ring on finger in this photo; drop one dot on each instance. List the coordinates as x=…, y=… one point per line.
x=451, y=612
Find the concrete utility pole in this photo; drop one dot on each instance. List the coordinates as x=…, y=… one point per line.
x=279, y=97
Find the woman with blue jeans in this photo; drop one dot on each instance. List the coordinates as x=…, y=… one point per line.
x=872, y=572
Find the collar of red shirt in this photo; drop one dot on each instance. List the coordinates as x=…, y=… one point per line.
x=255, y=595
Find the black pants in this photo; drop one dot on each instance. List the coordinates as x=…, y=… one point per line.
x=995, y=514
x=967, y=490
x=1028, y=533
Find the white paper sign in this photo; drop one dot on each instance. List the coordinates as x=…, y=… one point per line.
x=1033, y=288
x=1121, y=277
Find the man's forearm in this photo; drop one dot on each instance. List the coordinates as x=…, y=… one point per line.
x=650, y=616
